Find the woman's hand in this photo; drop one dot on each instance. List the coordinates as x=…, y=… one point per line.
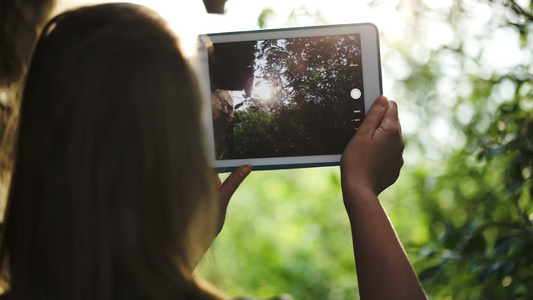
x=373, y=158
x=227, y=189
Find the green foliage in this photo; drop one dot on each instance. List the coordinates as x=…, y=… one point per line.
x=286, y=232
x=261, y=133
x=477, y=200
x=479, y=213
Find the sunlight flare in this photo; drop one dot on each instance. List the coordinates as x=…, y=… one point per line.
x=262, y=90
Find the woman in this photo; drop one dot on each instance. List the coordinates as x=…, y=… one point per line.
x=109, y=157
x=111, y=195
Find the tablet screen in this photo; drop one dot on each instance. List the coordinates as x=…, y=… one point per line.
x=286, y=97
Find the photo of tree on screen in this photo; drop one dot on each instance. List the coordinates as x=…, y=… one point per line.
x=286, y=97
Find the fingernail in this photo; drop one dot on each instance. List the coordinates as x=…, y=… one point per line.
x=246, y=170
x=382, y=101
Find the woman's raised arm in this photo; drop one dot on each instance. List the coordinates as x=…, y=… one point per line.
x=371, y=162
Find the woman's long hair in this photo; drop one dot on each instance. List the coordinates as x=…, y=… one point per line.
x=110, y=168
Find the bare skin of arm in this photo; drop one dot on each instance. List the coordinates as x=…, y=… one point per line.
x=371, y=162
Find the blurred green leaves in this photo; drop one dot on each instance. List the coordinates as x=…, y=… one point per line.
x=487, y=238
x=286, y=232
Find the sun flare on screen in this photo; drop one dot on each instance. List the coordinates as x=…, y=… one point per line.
x=263, y=91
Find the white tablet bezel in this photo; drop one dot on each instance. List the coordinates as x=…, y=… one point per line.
x=370, y=53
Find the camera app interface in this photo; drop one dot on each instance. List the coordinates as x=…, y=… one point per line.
x=286, y=97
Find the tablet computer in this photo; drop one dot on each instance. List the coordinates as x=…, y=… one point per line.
x=289, y=98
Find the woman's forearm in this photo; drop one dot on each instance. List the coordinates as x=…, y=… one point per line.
x=383, y=268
